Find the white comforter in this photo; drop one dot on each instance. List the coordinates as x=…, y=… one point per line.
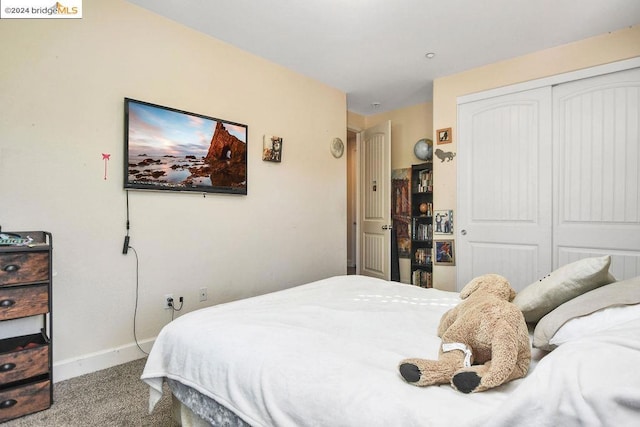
x=591, y=381
x=326, y=354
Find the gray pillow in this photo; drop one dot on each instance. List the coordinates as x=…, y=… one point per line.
x=626, y=292
x=563, y=284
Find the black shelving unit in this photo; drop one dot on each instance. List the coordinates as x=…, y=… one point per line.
x=422, y=225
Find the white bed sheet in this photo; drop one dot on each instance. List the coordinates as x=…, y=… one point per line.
x=590, y=381
x=321, y=354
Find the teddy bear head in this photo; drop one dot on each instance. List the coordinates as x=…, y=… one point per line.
x=489, y=284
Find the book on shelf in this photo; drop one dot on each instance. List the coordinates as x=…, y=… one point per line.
x=425, y=181
x=422, y=256
x=422, y=278
x=421, y=231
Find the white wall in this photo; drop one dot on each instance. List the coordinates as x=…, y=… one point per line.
x=62, y=84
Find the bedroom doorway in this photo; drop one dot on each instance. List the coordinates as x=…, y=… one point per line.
x=369, y=211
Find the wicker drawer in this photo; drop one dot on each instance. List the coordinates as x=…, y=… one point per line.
x=23, y=357
x=23, y=267
x=22, y=301
x=24, y=399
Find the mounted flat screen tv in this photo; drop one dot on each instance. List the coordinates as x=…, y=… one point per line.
x=173, y=150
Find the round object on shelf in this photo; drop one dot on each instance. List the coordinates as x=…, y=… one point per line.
x=423, y=149
x=423, y=208
x=337, y=148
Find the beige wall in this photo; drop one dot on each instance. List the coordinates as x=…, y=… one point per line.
x=356, y=122
x=408, y=125
x=611, y=47
x=63, y=83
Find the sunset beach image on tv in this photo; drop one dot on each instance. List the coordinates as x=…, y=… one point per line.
x=170, y=149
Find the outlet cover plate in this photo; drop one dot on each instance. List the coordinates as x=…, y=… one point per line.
x=165, y=304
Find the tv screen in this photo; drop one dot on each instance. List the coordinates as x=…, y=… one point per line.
x=169, y=149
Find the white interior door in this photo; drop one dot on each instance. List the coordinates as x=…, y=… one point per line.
x=597, y=159
x=375, y=202
x=504, y=188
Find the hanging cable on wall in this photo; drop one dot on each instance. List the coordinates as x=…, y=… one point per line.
x=135, y=309
x=125, y=250
x=125, y=247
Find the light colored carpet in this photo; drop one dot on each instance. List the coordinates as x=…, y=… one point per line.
x=111, y=397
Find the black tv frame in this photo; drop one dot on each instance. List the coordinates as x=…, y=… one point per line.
x=167, y=149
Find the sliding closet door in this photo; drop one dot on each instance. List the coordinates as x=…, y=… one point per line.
x=597, y=181
x=504, y=187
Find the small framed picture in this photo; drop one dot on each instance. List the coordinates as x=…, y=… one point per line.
x=443, y=222
x=272, y=148
x=444, y=252
x=444, y=135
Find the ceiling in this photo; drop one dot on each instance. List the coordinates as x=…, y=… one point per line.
x=374, y=50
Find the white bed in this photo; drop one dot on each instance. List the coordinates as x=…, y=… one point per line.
x=327, y=354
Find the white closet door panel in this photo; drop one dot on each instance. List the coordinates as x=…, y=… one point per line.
x=510, y=260
x=504, y=187
x=625, y=264
x=596, y=161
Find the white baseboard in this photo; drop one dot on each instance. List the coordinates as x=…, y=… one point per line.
x=70, y=368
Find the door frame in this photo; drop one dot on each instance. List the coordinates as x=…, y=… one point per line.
x=358, y=133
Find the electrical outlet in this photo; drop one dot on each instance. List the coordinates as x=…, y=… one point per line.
x=203, y=294
x=165, y=301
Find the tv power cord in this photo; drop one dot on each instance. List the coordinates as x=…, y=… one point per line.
x=173, y=307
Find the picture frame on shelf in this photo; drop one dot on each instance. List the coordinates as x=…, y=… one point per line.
x=444, y=135
x=444, y=252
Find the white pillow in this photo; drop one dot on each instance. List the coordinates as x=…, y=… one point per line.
x=602, y=320
x=563, y=284
x=594, y=310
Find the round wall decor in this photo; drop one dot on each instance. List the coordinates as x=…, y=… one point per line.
x=337, y=148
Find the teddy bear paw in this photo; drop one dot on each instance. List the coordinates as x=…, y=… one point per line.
x=410, y=372
x=466, y=381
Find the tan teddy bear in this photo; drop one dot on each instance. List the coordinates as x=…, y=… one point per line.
x=485, y=342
